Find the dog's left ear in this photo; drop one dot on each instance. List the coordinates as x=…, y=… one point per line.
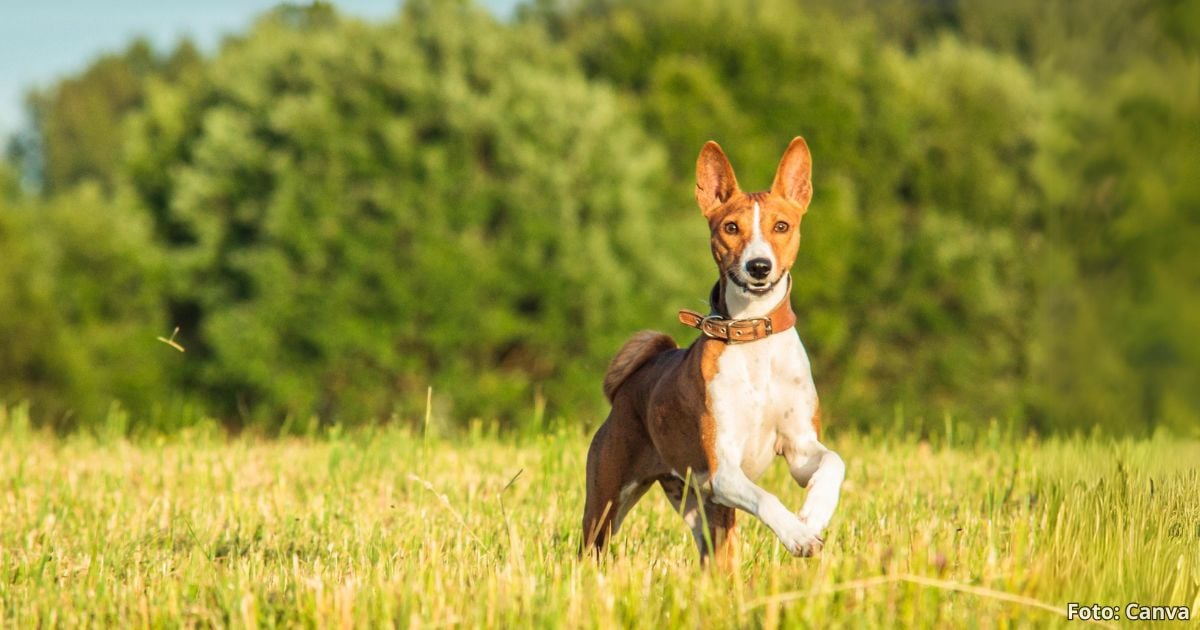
x=793, y=179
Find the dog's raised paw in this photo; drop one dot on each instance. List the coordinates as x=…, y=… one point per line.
x=809, y=549
x=802, y=541
x=813, y=549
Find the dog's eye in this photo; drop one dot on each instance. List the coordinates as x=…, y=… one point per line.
x=731, y=228
x=781, y=226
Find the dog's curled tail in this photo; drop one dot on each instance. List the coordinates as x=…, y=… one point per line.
x=640, y=348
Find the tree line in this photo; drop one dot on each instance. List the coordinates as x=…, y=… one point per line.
x=339, y=215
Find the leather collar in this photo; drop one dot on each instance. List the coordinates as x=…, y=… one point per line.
x=734, y=331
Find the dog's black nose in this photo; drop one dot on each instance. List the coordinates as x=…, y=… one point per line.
x=758, y=268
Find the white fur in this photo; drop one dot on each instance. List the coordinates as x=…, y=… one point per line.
x=763, y=401
x=757, y=248
x=743, y=304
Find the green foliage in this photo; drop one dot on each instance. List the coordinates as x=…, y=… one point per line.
x=1131, y=277
x=1111, y=342
x=79, y=121
x=10, y=184
x=80, y=306
x=340, y=215
x=358, y=212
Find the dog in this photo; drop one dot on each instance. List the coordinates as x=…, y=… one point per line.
x=705, y=422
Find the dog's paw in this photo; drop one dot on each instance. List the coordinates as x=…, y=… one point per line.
x=802, y=540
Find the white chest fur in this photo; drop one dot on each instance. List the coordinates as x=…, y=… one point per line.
x=763, y=401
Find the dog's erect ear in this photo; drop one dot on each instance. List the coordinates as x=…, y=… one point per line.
x=715, y=182
x=793, y=180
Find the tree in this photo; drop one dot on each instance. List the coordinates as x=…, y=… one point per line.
x=1118, y=327
x=79, y=309
x=79, y=120
x=357, y=212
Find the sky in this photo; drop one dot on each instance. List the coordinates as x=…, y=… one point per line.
x=41, y=41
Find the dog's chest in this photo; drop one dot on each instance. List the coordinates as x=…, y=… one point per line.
x=763, y=398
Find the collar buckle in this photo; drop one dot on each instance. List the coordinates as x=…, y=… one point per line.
x=704, y=326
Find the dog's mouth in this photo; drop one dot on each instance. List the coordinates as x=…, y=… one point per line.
x=753, y=287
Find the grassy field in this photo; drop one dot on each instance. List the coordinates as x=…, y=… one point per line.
x=385, y=527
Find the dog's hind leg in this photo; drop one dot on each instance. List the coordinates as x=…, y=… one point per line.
x=713, y=528
x=621, y=466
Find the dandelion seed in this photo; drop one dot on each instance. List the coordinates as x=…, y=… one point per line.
x=171, y=342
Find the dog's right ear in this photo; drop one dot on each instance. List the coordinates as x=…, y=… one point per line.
x=715, y=182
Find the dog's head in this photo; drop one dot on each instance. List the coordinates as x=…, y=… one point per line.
x=754, y=235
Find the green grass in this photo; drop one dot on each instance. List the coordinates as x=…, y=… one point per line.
x=382, y=527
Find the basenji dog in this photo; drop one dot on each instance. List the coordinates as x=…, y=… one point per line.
x=705, y=422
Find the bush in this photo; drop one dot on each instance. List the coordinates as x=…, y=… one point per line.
x=80, y=286
x=357, y=212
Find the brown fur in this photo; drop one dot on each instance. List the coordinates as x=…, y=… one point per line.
x=639, y=349
x=660, y=422
x=708, y=425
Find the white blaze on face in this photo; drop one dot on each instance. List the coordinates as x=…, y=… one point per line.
x=758, y=247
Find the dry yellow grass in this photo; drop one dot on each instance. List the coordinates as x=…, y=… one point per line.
x=384, y=528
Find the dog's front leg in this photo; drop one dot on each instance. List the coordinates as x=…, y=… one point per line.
x=732, y=488
x=821, y=471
